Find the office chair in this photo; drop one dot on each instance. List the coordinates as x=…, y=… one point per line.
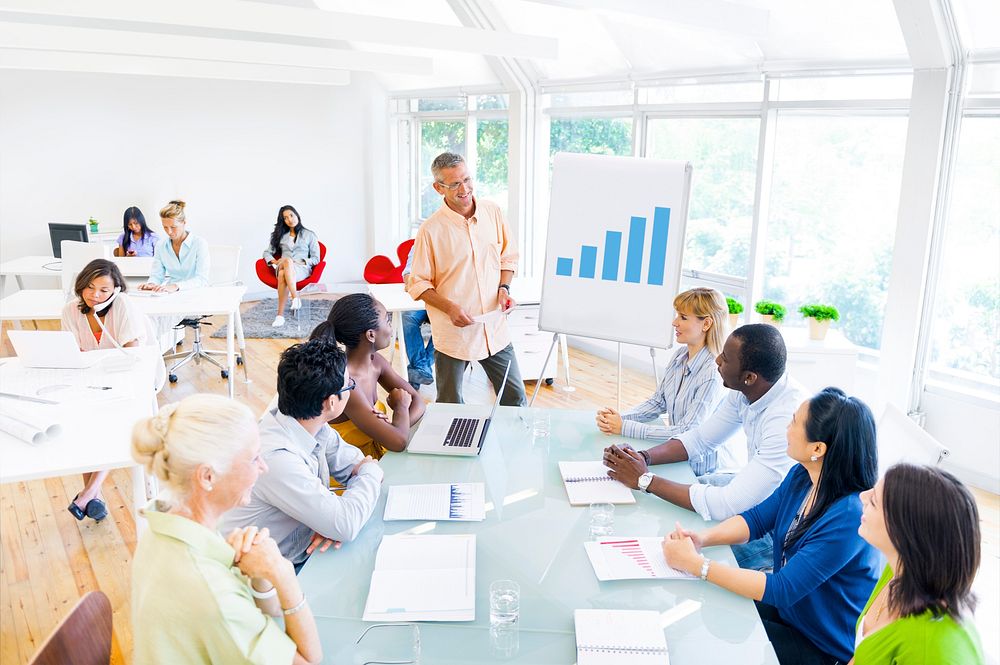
x=75, y=255
x=223, y=271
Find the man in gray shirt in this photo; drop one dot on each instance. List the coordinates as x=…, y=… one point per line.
x=293, y=499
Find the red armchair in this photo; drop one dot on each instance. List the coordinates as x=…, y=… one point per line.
x=266, y=274
x=381, y=270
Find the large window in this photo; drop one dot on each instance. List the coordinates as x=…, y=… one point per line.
x=595, y=136
x=832, y=221
x=491, y=161
x=436, y=136
x=723, y=153
x=965, y=334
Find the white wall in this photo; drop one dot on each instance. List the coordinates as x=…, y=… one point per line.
x=75, y=145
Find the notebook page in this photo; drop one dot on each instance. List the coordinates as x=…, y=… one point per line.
x=606, y=637
x=588, y=482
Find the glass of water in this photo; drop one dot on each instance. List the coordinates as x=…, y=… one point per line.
x=602, y=520
x=540, y=426
x=505, y=602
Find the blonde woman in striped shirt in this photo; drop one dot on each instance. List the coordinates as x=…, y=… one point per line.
x=691, y=387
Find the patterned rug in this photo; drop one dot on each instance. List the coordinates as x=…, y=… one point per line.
x=257, y=320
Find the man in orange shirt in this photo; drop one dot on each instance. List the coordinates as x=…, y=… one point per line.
x=463, y=262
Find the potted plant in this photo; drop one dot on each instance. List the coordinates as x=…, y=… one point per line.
x=93, y=225
x=735, y=309
x=819, y=317
x=770, y=312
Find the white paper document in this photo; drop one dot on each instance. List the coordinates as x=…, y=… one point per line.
x=624, y=558
x=589, y=482
x=423, y=578
x=460, y=502
x=489, y=317
x=619, y=637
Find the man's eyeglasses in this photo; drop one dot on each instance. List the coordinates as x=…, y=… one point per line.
x=455, y=185
x=350, y=386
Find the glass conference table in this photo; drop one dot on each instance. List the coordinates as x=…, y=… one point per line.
x=533, y=536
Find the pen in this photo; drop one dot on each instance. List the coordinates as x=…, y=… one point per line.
x=99, y=387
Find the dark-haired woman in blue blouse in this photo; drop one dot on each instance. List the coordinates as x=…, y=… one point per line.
x=823, y=570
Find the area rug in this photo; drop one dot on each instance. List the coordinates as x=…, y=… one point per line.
x=257, y=320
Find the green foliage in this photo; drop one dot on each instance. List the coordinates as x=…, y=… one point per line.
x=820, y=312
x=771, y=308
x=595, y=136
x=735, y=306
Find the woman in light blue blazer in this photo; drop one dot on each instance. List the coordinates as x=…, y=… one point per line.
x=292, y=252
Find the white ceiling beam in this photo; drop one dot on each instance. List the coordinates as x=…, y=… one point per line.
x=102, y=63
x=293, y=22
x=715, y=15
x=925, y=33
x=121, y=42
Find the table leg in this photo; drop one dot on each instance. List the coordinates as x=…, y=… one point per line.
x=231, y=351
x=397, y=322
x=242, y=344
x=20, y=284
x=141, y=494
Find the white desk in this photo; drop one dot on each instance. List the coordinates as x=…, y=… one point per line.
x=96, y=435
x=49, y=266
x=47, y=305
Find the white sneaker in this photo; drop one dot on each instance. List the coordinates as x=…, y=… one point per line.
x=278, y=321
x=296, y=303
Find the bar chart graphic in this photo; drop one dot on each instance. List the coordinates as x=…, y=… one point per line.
x=611, y=268
x=628, y=558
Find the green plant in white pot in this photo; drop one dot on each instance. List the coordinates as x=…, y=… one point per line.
x=770, y=312
x=735, y=309
x=819, y=317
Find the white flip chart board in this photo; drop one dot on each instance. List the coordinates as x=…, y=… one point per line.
x=613, y=249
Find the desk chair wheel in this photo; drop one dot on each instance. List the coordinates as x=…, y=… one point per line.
x=549, y=382
x=172, y=378
x=224, y=374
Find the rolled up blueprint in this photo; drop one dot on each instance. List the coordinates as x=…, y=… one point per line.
x=33, y=430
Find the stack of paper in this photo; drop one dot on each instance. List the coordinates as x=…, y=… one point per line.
x=460, y=502
x=631, y=559
x=589, y=482
x=619, y=637
x=423, y=578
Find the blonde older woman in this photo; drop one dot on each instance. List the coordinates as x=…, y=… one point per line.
x=198, y=597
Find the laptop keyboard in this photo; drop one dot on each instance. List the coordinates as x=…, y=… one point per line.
x=461, y=431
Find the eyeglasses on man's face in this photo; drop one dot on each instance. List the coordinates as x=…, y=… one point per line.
x=452, y=186
x=350, y=386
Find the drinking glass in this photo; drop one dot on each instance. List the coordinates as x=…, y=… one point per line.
x=505, y=602
x=602, y=520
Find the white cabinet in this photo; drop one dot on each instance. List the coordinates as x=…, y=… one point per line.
x=818, y=364
x=531, y=344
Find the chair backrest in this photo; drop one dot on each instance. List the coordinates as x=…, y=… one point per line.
x=403, y=251
x=83, y=637
x=75, y=255
x=322, y=252
x=225, y=264
x=902, y=440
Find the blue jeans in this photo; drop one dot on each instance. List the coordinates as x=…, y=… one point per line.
x=420, y=358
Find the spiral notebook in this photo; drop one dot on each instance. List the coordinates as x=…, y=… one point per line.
x=588, y=482
x=619, y=637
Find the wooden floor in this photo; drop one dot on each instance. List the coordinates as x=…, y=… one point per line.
x=48, y=560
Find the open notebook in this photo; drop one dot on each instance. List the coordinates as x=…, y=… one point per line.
x=619, y=637
x=588, y=482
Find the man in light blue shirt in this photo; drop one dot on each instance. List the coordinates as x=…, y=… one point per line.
x=762, y=402
x=180, y=261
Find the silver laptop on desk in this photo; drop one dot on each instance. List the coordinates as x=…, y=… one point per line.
x=50, y=349
x=447, y=434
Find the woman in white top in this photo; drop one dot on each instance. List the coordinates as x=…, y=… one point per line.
x=293, y=252
x=691, y=385
x=100, y=301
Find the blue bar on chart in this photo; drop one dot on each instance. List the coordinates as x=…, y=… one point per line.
x=658, y=246
x=588, y=261
x=633, y=258
x=612, y=254
x=564, y=267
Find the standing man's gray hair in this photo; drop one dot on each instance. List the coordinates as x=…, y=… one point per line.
x=446, y=160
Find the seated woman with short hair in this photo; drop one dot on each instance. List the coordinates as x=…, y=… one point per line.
x=926, y=523
x=293, y=252
x=100, y=301
x=823, y=570
x=198, y=597
x=361, y=323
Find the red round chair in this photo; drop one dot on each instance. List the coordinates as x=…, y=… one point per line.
x=381, y=270
x=266, y=274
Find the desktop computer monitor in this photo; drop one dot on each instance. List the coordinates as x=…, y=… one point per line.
x=59, y=232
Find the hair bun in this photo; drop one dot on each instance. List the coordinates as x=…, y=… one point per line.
x=149, y=442
x=178, y=203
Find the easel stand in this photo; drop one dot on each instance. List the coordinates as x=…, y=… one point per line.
x=556, y=339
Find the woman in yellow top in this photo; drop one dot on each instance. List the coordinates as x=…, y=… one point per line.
x=926, y=524
x=360, y=323
x=198, y=597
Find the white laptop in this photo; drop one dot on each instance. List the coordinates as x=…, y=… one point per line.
x=50, y=349
x=446, y=434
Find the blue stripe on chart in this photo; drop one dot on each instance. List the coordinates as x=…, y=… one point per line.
x=564, y=267
x=612, y=254
x=658, y=246
x=588, y=261
x=636, y=241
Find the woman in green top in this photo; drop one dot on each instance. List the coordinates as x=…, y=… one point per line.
x=926, y=524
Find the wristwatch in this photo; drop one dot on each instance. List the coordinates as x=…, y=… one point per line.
x=644, y=481
x=504, y=286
